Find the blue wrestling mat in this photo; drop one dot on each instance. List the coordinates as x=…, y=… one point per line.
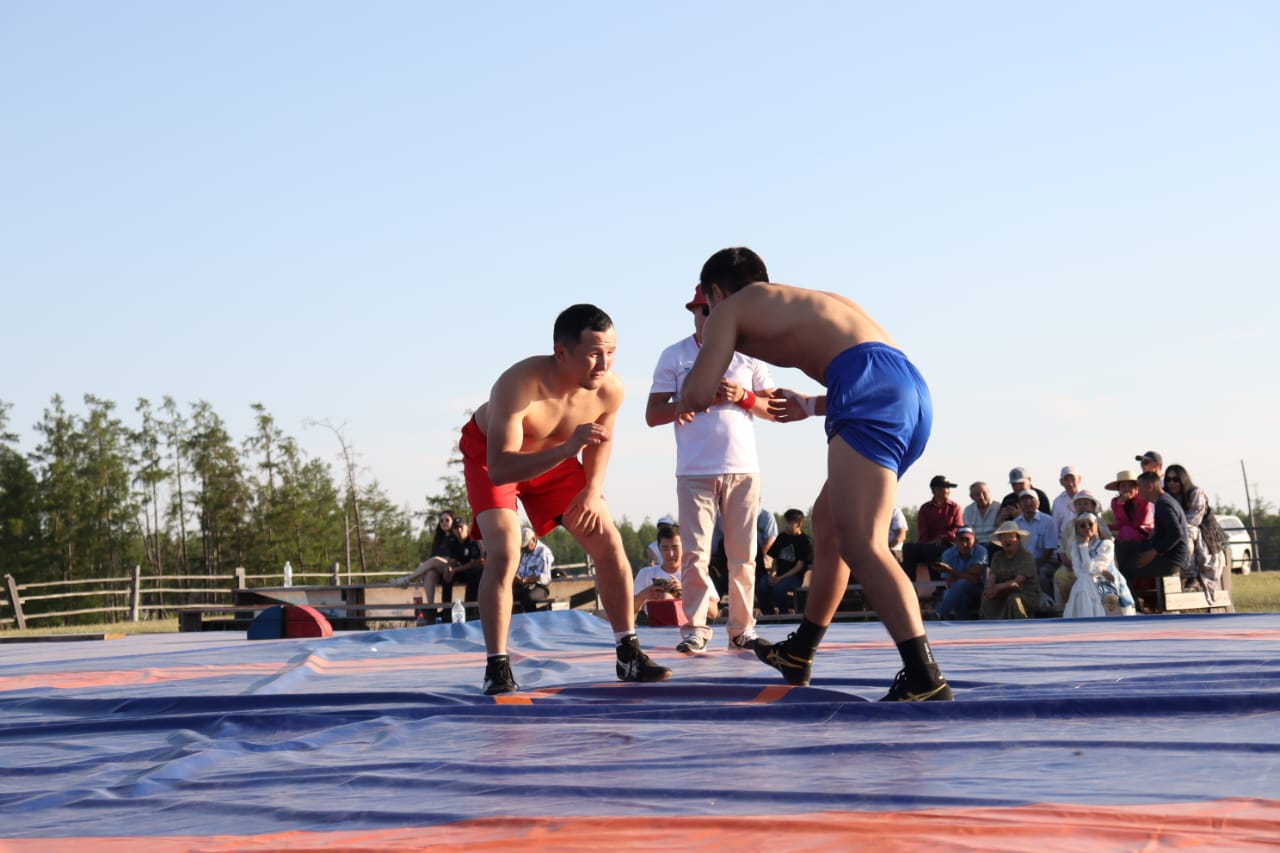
x=1107, y=734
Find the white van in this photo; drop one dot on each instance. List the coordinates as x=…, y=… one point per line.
x=1239, y=543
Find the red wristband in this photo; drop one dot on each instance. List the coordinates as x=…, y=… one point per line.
x=748, y=399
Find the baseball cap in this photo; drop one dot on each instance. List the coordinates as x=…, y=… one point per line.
x=941, y=481
x=1068, y=469
x=1025, y=492
x=966, y=531
x=1151, y=456
x=666, y=519
x=1018, y=475
x=699, y=299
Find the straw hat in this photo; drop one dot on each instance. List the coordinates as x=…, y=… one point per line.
x=1125, y=476
x=1010, y=527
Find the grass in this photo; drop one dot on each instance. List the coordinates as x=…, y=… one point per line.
x=1256, y=593
x=155, y=626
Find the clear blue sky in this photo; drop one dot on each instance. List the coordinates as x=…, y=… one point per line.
x=363, y=212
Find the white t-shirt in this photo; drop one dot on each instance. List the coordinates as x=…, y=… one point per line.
x=646, y=576
x=723, y=440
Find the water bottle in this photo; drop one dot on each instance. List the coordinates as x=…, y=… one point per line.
x=288, y=573
x=459, y=612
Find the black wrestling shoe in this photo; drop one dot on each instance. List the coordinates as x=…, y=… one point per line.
x=635, y=665
x=935, y=689
x=795, y=668
x=498, y=677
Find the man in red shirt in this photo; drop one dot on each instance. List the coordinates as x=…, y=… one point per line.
x=936, y=526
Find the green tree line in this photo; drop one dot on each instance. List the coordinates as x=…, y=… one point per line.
x=174, y=492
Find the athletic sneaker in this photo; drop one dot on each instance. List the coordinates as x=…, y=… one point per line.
x=795, y=668
x=935, y=689
x=693, y=645
x=635, y=665
x=498, y=677
x=743, y=642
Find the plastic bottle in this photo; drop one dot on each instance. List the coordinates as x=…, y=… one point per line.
x=459, y=612
x=288, y=573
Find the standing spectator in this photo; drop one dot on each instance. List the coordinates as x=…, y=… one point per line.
x=983, y=514
x=1207, y=539
x=1133, y=515
x=1043, y=539
x=533, y=574
x=1012, y=591
x=1063, y=509
x=1168, y=551
x=1019, y=481
x=1099, y=589
x=792, y=553
x=1151, y=461
x=936, y=526
x=897, y=533
x=717, y=475
x=964, y=566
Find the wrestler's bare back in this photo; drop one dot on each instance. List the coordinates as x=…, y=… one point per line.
x=794, y=327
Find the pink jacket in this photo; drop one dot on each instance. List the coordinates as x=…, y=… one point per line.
x=1135, y=528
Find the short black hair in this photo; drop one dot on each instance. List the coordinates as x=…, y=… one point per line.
x=732, y=269
x=576, y=319
x=1148, y=477
x=666, y=531
x=793, y=515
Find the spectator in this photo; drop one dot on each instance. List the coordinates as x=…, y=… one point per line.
x=1019, y=481
x=466, y=566
x=1063, y=509
x=792, y=553
x=1043, y=540
x=897, y=533
x=654, y=583
x=983, y=514
x=445, y=551
x=717, y=478
x=964, y=568
x=1099, y=588
x=1207, y=539
x=654, y=552
x=1168, y=551
x=1151, y=461
x=1066, y=576
x=1133, y=515
x=936, y=526
x=533, y=574
x=1011, y=591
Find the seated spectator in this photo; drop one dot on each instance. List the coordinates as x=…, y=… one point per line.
x=1134, y=517
x=1207, y=538
x=792, y=553
x=1065, y=576
x=1151, y=461
x=983, y=514
x=532, y=583
x=964, y=568
x=654, y=583
x=1019, y=481
x=466, y=566
x=1043, y=541
x=445, y=551
x=897, y=533
x=1099, y=588
x=1168, y=551
x=1012, y=590
x=1063, y=509
x=936, y=526
x=653, y=553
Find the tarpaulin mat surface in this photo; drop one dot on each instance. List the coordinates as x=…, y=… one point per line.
x=1109, y=734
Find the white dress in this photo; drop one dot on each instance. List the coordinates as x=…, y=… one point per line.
x=1089, y=562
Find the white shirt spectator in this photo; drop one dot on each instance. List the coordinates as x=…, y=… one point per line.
x=536, y=563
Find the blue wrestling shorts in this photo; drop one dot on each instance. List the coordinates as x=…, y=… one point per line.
x=879, y=403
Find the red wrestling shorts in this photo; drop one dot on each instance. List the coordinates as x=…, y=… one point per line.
x=544, y=498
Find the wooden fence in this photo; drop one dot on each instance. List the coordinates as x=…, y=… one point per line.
x=140, y=596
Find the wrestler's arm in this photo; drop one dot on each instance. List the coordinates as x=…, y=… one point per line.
x=719, y=338
x=588, y=507
x=508, y=463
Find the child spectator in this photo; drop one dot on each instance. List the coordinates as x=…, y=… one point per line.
x=792, y=553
